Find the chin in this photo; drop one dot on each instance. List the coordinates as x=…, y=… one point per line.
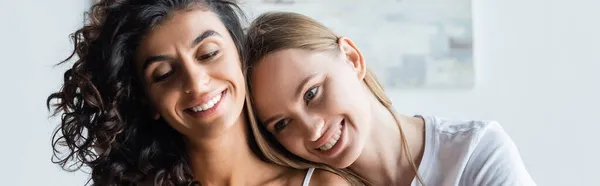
x=345, y=160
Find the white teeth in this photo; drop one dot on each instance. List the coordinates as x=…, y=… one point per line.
x=209, y=104
x=332, y=141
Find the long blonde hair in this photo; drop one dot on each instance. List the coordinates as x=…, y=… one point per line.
x=275, y=31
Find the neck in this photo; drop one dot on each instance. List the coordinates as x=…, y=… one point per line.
x=227, y=159
x=383, y=160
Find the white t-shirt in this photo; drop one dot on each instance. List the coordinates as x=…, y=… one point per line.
x=470, y=153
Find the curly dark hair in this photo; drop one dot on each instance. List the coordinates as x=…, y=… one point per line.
x=106, y=123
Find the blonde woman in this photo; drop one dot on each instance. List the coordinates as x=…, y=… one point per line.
x=315, y=96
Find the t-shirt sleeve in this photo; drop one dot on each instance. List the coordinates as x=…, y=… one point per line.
x=496, y=160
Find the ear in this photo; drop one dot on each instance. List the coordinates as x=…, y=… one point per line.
x=353, y=56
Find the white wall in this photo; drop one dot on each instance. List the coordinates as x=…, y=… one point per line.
x=537, y=63
x=33, y=37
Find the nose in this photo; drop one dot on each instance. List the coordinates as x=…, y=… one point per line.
x=196, y=77
x=313, y=126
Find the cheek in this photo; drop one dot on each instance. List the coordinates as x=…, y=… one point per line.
x=163, y=99
x=340, y=98
x=230, y=70
x=229, y=66
x=292, y=142
x=350, y=100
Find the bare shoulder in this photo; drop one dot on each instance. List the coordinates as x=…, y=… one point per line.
x=323, y=177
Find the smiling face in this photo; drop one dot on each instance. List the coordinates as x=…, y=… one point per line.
x=191, y=72
x=314, y=103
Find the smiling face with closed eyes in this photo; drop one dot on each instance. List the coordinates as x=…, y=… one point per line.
x=190, y=69
x=315, y=103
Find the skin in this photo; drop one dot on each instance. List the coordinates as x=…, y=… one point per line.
x=186, y=61
x=303, y=97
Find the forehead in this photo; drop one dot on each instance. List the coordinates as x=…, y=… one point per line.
x=181, y=28
x=277, y=77
x=288, y=68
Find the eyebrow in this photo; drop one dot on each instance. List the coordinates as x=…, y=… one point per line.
x=198, y=40
x=303, y=84
x=203, y=36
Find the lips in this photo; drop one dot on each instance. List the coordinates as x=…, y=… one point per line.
x=332, y=141
x=330, y=138
x=209, y=106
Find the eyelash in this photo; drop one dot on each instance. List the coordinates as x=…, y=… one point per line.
x=208, y=55
x=310, y=90
x=281, y=124
x=277, y=127
x=202, y=57
x=164, y=76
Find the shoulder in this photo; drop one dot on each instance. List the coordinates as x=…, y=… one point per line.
x=480, y=136
x=492, y=157
x=490, y=144
x=466, y=133
x=323, y=177
x=459, y=127
x=475, y=137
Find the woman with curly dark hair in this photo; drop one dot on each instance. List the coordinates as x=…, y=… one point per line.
x=157, y=96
